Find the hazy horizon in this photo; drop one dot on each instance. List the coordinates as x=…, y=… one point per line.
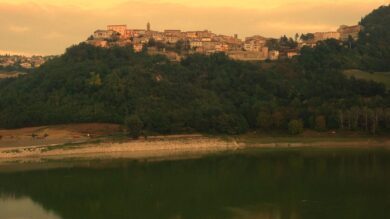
x=49, y=27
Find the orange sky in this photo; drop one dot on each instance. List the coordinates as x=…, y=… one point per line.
x=50, y=26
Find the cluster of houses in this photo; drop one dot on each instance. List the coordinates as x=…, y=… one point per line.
x=344, y=33
x=253, y=48
x=205, y=42
x=22, y=61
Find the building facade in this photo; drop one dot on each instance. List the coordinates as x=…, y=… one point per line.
x=349, y=31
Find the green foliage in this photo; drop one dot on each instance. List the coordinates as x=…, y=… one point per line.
x=264, y=120
x=374, y=40
x=209, y=94
x=295, y=127
x=320, y=123
x=134, y=126
x=307, y=37
x=94, y=80
x=380, y=77
x=283, y=43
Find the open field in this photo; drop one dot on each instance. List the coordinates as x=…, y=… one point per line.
x=13, y=74
x=57, y=134
x=381, y=77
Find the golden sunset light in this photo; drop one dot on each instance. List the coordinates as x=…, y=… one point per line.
x=195, y=109
x=61, y=23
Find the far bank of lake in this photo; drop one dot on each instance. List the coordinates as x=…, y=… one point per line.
x=177, y=146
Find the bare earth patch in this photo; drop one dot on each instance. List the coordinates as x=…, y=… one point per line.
x=54, y=135
x=92, y=141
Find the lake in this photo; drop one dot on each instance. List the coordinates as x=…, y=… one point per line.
x=260, y=183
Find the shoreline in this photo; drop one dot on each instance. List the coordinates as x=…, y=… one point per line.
x=167, y=147
x=133, y=148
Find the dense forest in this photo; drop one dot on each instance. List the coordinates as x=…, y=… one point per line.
x=208, y=94
x=374, y=41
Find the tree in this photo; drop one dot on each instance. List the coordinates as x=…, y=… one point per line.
x=278, y=120
x=320, y=123
x=307, y=37
x=295, y=127
x=134, y=126
x=264, y=120
x=151, y=42
x=94, y=80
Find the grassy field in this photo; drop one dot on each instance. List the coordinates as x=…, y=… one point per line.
x=381, y=77
x=12, y=74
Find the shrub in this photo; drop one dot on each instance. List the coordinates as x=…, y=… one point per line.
x=295, y=127
x=320, y=123
x=134, y=126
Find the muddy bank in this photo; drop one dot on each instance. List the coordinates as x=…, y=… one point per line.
x=162, y=147
x=139, y=148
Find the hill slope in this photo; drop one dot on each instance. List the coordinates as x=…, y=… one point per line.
x=211, y=94
x=203, y=93
x=374, y=42
x=380, y=77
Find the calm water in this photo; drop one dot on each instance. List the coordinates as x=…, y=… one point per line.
x=264, y=184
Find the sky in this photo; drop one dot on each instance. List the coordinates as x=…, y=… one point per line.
x=48, y=27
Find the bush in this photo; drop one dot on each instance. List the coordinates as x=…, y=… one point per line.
x=134, y=126
x=295, y=127
x=264, y=120
x=320, y=123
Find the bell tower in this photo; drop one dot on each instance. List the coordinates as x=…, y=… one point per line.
x=148, y=26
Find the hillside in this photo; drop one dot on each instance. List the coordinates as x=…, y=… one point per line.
x=12, y=74
x=202, y=93
x=208, y=94
x=380, y=77
x=374, y=42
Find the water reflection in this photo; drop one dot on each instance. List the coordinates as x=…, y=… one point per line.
x=23, y=208
x=292, y=184
x=257, y=212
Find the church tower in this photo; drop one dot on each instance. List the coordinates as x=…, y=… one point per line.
x=148, y=26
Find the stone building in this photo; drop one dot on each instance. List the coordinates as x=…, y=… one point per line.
x=103, y=34
x=349, y=31
x=320, y=36
x=246, y=55
x=121, y=29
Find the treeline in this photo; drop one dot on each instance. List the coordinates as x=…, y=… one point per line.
x=14, y=68
x=365, y=119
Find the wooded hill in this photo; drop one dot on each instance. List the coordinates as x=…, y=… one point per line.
x=210, y=94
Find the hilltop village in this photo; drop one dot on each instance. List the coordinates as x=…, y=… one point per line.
x=176, y=44
x=13, y=62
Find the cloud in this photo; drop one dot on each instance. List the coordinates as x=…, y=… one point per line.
x=52, y=28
